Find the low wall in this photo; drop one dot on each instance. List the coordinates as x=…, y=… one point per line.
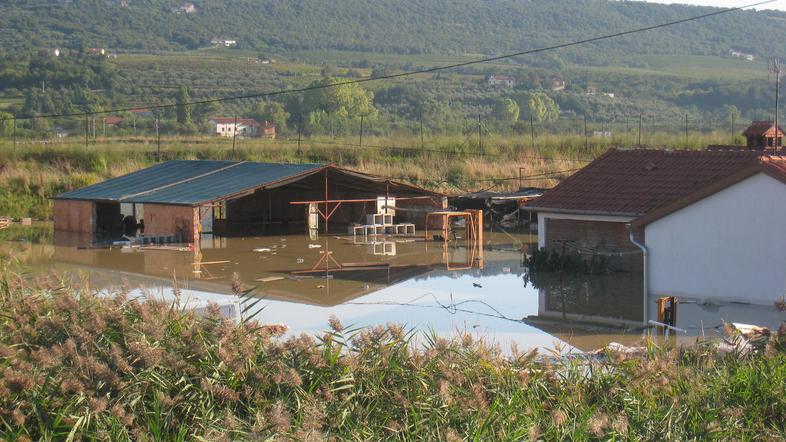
x=166, y=220
x=609, y=238
x=74, y=216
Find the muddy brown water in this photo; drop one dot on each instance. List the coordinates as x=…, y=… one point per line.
x=426, y=285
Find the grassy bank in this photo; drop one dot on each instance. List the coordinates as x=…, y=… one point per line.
x=76, y=366
x=35, y=171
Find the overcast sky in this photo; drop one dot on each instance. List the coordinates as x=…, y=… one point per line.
x=778, y=4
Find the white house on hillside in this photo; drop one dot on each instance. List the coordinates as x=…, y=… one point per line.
x=501, y=80
x=243, y=127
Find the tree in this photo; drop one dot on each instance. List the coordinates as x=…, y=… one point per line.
x=6, y=124
x=203, y=111
x=541, y=107
x=338, y=106
x=507, y=110
x=183, y=109
x=272, y=111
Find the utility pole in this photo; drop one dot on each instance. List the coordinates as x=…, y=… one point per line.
x=480, y=136
x=586, y=136
x=639, y=143
x=532, y=131
x=87, y=129
x=104, y=120
x=14, y=135
x=234, y=135
x=776, y=68
x=361, y=131
x=732, y=129
x=158, y=141
x=299, y=129
x=422, y=145
x=686, y=131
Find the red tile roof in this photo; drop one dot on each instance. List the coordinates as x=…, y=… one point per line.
x=774, y=166
x=112, y=120
x=635, y=182
x=760, y=128
x=231, y=120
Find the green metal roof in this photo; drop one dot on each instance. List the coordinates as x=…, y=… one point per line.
x=184, y=182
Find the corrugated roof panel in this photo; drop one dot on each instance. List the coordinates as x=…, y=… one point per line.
x=223, y=183
x=144, y=180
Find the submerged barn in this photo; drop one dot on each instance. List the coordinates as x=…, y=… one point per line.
x=186, y=198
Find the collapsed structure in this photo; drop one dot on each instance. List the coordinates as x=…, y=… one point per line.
x=185, y=198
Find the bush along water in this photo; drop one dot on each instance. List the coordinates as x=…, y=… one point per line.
x=75, y=366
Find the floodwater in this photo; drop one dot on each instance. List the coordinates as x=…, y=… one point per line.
x=427, y=285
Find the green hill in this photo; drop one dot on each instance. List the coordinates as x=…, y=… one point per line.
x=391, y=26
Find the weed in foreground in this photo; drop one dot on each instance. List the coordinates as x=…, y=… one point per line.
x=77, y=366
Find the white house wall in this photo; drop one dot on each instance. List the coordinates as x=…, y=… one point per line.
x=730, y=245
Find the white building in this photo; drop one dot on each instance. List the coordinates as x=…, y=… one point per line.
x=226, y=42
x=725, y=241
x=243, y=127
x=712, y=223
x=501, y=80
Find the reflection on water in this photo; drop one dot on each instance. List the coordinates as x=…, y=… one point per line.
x=424, y=284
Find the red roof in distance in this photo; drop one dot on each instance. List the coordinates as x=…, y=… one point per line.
x=762, y=128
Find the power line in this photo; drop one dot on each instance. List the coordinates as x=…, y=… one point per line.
x=411, y=73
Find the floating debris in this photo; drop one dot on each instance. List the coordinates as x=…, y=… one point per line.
x=270, y=279
x=314, y=246
x=261, y=249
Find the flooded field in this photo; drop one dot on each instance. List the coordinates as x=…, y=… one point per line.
x=428, y=285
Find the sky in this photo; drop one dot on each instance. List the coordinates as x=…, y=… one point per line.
x=778, y=4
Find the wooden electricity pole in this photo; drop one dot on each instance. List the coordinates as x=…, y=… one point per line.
x=776, y=68
x=532, y=131
x=234, y=135
x=361, y=132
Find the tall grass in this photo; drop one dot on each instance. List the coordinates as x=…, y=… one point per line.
x=77, y=366
x=35, y=171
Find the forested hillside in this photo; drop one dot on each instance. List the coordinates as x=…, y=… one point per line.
x=392, y=26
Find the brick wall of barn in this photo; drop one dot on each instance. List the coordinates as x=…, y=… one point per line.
x=74, y=216
x=166, y=220
x=605, y=237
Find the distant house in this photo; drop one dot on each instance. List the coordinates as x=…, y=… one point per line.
x=60, y=132
x=226, y=42
x=112, y=120
x=742, y=55
x=142, y=113
x=96, y=51
x=764, y=135
x=186, y=8
x=244, y=127
x=592, y=90
x=56, y=52
x=557, y=84
x=501, y=80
